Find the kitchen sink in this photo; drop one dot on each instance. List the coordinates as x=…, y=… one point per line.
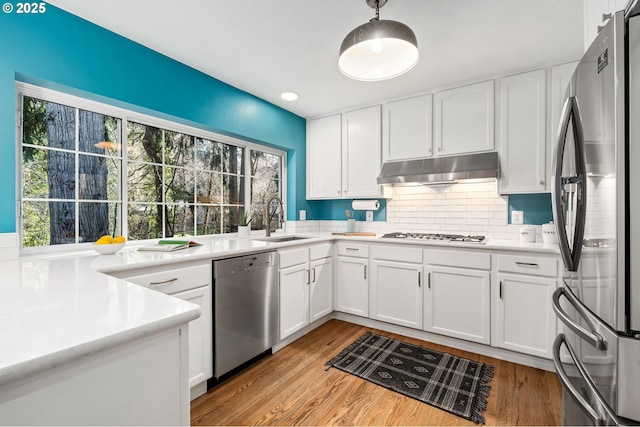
x=282, y=239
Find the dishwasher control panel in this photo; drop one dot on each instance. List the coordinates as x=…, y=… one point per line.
x=231, y=266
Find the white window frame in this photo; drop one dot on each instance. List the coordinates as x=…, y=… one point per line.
x=125, y=115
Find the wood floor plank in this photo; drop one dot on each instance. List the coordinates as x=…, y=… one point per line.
x=293, y=387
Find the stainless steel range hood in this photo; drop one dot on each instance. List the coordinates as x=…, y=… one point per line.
x=440, y=169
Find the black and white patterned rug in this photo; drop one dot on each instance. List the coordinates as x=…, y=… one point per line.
x=448, y=382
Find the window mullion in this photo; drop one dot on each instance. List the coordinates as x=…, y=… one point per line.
x=248, y=203
x=124, y=173
x=77, y=175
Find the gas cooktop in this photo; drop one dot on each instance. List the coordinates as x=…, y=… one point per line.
x=436, y=236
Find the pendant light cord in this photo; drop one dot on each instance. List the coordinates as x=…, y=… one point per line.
x=377, y=17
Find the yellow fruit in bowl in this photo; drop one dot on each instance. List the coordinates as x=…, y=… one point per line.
x=120, y=239
x=105, y=240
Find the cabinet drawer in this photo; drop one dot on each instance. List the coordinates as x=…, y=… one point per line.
x=295, y=256
x=455, y=258
x=170, y=281
x=531, y=265
x=324, y=250
x=397, y=253
x=353, y=249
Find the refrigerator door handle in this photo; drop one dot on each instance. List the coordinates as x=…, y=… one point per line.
x=593, y=391
x=566, y=382
x=570, y=254
x=593, y=338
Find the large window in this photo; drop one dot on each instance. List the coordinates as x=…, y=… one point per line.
x=176, y=181
x=70, y=175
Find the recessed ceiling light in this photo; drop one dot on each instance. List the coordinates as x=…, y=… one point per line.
x=289, y=96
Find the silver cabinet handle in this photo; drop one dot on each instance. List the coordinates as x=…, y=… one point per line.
x=308, y=277
x=500, y=289
x=352, y=249
x=593, y=391
x=592, y=337
x=314, y=274
x=429, y=280
x=365, y=271
x=164, y=282
x=419, y=285
x=527, y=264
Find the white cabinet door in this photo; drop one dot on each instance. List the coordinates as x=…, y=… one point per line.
x=407, y=128
x=324, y=142
x=525, y=321
x=464, y=119
x=353, y=286
x=457, y=303
x=321, y=302
x=396, y=293
x=200, y=335
x=361, y=153
x=523, y=136
x=294, y=299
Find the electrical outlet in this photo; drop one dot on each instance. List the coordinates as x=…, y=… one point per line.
x=303, y=215
x=369, y=216
x=517, y=217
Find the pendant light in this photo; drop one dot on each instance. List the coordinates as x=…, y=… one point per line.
x=379, y=49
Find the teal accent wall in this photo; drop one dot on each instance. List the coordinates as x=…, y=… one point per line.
x=536, y=207
x=60, y=51
x=336, y=210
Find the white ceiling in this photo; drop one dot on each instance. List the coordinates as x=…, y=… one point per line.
x=265, y=47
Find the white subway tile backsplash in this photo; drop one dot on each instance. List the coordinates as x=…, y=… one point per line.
x=463, y=208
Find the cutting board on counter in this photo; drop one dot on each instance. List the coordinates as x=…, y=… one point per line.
x=356, y=233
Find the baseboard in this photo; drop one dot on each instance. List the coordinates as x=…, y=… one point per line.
x=198, y=390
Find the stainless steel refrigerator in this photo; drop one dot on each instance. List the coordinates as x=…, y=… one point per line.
x=596, y=198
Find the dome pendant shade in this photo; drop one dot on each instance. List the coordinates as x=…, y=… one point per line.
x=378, y=50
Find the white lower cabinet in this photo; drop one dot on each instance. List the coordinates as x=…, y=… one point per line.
x=190, y=282
x=200, y=346
x=321, y=297
x=457, y=294
x=294, y=299
x=352, y=279
x=396, y=285
x=306, y=286
x=525, y=321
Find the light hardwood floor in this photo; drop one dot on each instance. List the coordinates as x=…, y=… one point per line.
x=293, y=387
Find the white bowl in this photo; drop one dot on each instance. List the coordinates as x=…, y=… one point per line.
x=108, y=249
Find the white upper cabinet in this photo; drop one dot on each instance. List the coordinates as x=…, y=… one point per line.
x=324, y=145
x=523, y=136
x=344, y=155
x=407, y=128
x=464, y=119
x=361, y=157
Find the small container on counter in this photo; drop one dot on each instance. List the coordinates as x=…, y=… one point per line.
x=527, y=234
x=549, y=233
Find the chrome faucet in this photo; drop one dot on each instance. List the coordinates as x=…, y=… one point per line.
x=270, y=213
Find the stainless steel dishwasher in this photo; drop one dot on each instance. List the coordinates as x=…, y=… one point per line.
x=245, y=309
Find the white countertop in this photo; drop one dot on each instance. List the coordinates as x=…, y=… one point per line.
x=55, y=308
